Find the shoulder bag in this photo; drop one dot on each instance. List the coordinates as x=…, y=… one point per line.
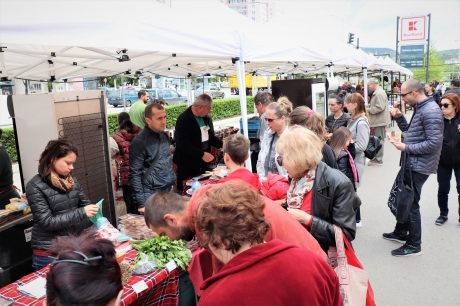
x=353, y=281
x=373, y=146
x=402, y=192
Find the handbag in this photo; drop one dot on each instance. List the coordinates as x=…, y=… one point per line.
x=353, y=281
x=373, y=146
x=402, y=192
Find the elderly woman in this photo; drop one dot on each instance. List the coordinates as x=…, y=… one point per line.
x=85, y=272
x=319, y=196
x=338, y=118
x=314, y=121
x=276, y=116
x=450, y=154
x=232, y=224
x=59, y=205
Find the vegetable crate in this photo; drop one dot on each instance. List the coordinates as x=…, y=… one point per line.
x=251, y=134
x=253, y=127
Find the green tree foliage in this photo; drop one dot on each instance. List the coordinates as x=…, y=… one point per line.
x=436, y=70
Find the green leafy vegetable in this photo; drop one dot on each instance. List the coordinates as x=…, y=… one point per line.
x=163, y=250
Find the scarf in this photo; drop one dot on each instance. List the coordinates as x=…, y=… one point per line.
x=353, y=166
x=60, y=183
x=299, y=188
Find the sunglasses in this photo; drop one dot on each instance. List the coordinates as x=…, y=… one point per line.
x=270, y=119
x=445, y=105
x=279, y=160
x=403, y=95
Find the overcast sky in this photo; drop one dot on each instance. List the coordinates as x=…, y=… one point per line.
x=373, y=21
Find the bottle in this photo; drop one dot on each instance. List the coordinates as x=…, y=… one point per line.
x=195, y=185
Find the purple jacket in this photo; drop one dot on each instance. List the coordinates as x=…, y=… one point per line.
x=424, y=136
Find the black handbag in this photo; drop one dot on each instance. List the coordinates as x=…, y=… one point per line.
x=373, y=147
x=402, y=192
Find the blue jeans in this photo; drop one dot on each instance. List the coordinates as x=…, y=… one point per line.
x=413, y=225
x=444, y=177
x=39, y=262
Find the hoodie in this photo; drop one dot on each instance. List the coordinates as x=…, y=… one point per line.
x=302, y=278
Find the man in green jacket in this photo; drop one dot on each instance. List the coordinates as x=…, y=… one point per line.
x=137, y=110
x=379, y=115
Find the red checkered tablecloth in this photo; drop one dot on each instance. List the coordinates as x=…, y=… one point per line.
x=163, y=288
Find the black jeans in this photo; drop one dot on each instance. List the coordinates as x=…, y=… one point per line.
x=128, y=197
x=413, y=225
x=444, y=177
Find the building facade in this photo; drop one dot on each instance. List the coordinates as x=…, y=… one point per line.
x=257, y=10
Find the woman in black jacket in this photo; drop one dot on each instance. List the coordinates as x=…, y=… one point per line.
x=344, y=150
x=58, y=203
x=450, y=154
x=319, y=196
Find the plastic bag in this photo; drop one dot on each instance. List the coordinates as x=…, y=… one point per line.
x=144, y=265
x=105, y=230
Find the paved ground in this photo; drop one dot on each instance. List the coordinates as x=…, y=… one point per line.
x=429, y=279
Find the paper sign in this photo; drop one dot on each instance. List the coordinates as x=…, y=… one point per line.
x=171, y=266
x=35, y=288
x=139, y=287
x=28, y=234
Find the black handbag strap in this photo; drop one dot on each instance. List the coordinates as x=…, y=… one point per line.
x=150, y=169
x=403, y=166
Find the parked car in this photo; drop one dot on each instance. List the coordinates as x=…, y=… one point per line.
x=115, y=97
x=213, y=91
x=171, y=96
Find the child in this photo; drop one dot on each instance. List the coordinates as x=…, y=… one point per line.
x=342, y=144
x=236, y=152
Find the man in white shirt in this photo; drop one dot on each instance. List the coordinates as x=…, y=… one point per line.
x=441, y=87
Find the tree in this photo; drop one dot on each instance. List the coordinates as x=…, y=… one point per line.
x=436, y=70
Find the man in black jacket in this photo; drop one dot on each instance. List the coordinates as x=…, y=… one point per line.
x=194, y=137
x=150, y=158
x=454, y=87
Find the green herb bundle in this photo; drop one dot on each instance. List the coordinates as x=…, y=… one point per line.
x=163, y=250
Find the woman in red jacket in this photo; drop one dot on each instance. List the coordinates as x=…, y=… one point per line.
x=232, y=224
x=126, y=133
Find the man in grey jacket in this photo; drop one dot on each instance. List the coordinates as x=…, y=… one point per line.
x=379, y=115
x=423, y=143
x=454, y=87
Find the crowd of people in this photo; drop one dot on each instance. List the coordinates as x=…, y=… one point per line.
x=251, y=228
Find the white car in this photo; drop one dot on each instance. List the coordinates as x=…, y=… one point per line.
x=224, y=84
x=213, y=91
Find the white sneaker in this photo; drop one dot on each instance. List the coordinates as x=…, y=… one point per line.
x=359, y=224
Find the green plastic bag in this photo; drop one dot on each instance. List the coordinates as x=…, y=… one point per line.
x=99, y=212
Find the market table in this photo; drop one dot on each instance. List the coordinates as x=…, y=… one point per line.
x=163, y=288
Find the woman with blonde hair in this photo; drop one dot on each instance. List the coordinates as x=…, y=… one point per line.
x=360, y=130
x=314, y=121
x=276, y=116
x=300, y=153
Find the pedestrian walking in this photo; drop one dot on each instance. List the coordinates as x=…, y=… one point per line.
x=450, y=154
x=423, y=144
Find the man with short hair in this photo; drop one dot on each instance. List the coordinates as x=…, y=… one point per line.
x=435, y=83
x=261, y=101
x=454, y=87
x=379, y=115
x=137, y=110
x=423, y=143
x=236, y=152
x=169, y=214
x=150, y=159
x=194, y=137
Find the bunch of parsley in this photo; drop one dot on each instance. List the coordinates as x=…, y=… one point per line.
x=162, y=250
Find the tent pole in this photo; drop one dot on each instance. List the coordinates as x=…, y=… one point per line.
x=189, y=91
x=365, y=84
x=123, y=93
x=268, y=83
x=244, y=113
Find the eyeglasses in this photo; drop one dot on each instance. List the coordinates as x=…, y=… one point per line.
x=279, y=160
x=445, y=105
x=82, y=262
x=270, y=119
x=403, y=95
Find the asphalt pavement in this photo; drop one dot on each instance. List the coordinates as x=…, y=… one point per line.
x=429, y=279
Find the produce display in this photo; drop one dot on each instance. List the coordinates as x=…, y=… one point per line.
x=162, y=250
x=134, y=226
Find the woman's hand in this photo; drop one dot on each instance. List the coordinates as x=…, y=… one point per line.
x=328, y=136
x=91, y=210
x=300, y=215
